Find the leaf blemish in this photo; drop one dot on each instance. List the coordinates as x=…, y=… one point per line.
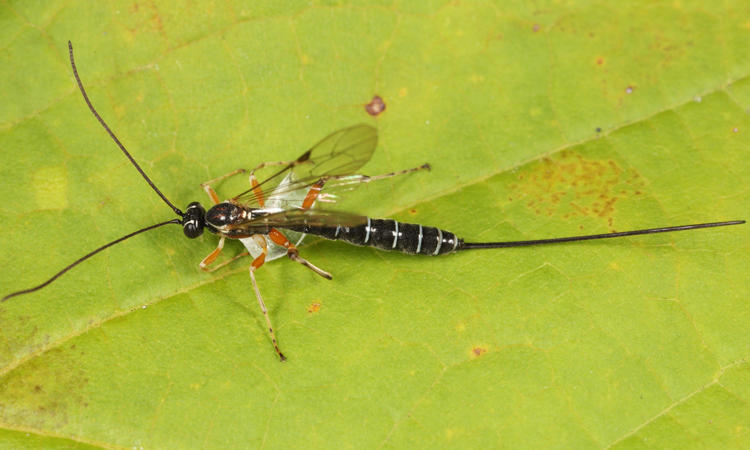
x=376, y=106
x=572, y=186
x=51, y=187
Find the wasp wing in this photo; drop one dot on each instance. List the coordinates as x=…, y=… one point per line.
x=296, y=220
x=339, y=154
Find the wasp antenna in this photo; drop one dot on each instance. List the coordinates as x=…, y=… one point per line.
x=114, y=138
x=87, y=256
x=481, y=245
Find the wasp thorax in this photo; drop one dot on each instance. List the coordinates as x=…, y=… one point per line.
x=223, y=214
x=193, y=221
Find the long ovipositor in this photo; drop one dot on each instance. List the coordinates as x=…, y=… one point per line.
x=415, y=239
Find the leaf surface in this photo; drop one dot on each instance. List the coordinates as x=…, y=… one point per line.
x=539, y=121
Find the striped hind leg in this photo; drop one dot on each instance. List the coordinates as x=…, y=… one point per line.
x=278, y=238
x=255, y=265
x=357, y=179
x=353, y=181
x=367, y=179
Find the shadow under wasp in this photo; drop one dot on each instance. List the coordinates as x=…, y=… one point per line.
x=272, y=217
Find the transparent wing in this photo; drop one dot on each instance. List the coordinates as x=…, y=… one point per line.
x=340, y=153
x=295, y=218
x=334, y=158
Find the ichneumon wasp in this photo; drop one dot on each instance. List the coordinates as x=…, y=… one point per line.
x=272, y=219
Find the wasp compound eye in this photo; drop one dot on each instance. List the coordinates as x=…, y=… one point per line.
x=193, y=220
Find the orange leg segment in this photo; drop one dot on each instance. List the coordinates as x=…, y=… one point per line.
x=278, y=238
x=259, y=261
x=208, y=260
x=257, y=191
x=312, y=194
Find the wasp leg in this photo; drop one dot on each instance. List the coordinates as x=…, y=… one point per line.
x=257, y=262
x=210, y=191
x=257, y=191
x=208, y=260
x=357, y=179
x=269, y=164
x=293, y=254
x=367, y=179
x=278, y=238
x=212, y=256
x=315, y=189
x=313, y=193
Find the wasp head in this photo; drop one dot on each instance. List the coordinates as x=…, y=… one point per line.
x=194, y=220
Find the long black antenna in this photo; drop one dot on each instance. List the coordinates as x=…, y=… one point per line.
x=87, y=256
x=114, y=138
x=143, y=174
x=481, y=245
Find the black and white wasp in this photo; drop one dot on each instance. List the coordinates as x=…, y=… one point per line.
x=272, y=217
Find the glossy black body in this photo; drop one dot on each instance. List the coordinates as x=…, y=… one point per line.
x=388, y=234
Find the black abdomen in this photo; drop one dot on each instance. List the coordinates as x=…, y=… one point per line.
x=388, y=234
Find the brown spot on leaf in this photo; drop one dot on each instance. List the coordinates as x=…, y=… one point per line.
x=45, y=389
x=313, y=308
x=376, y=106
x=572, y=186
x=478, y=351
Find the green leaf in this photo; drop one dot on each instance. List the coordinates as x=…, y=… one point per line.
x=542, y=120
